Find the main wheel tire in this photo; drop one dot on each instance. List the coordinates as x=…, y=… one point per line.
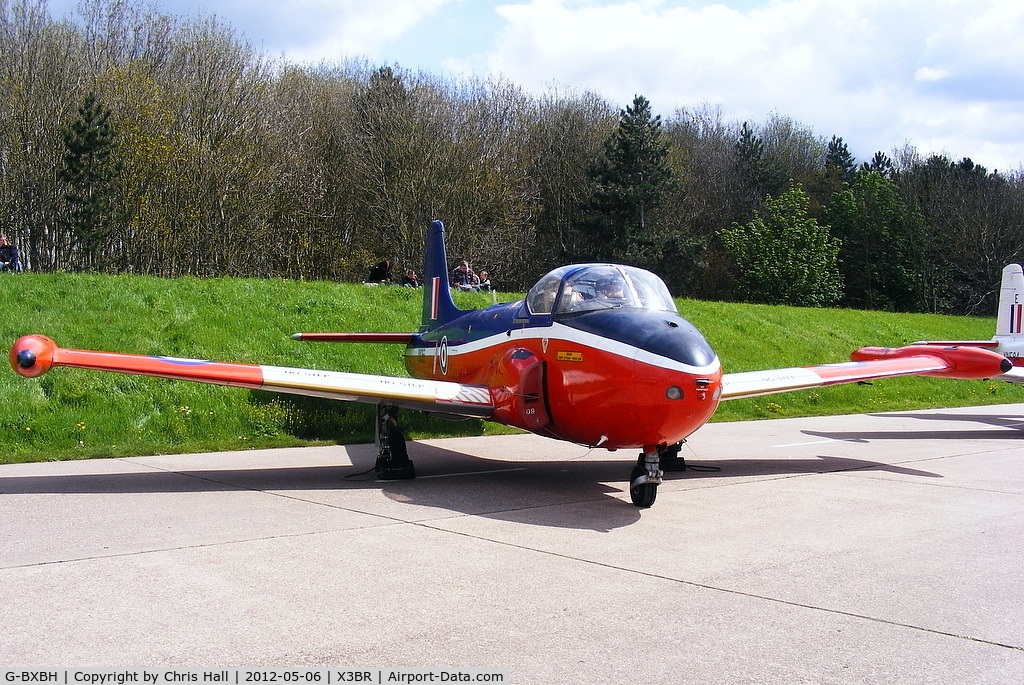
x=642, y=495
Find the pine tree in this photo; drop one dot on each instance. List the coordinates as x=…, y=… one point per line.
x=881, y=163
x=759, y=176
x=839, y=160
x=880, y=235
x=89, y=170
x=631, y=180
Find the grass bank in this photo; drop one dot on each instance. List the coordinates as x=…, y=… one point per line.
x=69, y=414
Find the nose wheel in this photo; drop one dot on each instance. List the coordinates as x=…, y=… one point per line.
x=646, y=477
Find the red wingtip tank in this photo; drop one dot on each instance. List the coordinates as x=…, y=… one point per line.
x=33, y=355
x=964, y=363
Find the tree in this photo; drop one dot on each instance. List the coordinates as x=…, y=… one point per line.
x=89, y=170
x=566, y=135
x=785, y=257
x=973, y=220
x=709, y=198
x=880, y=236
x=631, y=180
x=759, y=174
x=40, y=77
x=880, y=163
x=792, y=153
x=839, y=161
x=387, y=168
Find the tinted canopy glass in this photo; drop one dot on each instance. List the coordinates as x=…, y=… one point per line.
x=606, y=286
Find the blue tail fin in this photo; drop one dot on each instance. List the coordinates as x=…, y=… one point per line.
x=438, y=306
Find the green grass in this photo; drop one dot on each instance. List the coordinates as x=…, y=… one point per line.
x=71, y=413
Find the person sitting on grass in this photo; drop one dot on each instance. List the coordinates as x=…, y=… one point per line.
x=9, y=259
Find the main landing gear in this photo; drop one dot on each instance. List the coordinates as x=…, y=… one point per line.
x=649, y=470
x=393, y=461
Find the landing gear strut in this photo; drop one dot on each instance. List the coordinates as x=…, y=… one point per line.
x=649, y=470
x=393, y=461
x=646, y=477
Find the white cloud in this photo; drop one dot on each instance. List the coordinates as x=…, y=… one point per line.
x=877, y=72
x=306, y=30
x=930, y=74
x=331, y=30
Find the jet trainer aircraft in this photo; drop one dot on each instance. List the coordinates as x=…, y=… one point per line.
x=595, y=354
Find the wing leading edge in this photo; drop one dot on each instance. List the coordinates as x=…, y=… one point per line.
x=870, y=363
x=34, y=355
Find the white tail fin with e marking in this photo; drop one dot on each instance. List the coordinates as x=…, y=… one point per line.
x=1010, y=317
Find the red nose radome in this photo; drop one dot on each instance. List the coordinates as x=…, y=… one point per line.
x=32, y=355
x=962, y=362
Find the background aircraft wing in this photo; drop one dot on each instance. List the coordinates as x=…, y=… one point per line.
x=1014, y=375
x=1006, y=346
x=870, y=363
x=34, y=355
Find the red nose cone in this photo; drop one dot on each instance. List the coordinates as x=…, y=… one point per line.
x=32, y=355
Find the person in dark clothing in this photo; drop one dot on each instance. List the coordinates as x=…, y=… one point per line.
x=410, y=279
x=9, y=259
x=463, y=277
x=380, y=273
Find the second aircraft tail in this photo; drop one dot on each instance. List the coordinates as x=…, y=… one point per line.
x=1010, y=315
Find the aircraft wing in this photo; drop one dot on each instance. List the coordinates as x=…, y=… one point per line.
x=34, y=355
x=870, y=363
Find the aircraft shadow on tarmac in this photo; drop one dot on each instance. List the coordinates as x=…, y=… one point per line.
x=1012, y=428
x=584, y=494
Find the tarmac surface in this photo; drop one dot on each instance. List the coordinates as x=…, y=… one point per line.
x=880, y=548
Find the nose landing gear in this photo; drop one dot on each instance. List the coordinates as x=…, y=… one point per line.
x=648, y=474
x=645, y=478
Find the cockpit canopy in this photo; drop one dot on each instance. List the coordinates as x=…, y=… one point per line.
x=590, y=287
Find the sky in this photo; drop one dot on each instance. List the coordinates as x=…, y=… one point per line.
x=944, y=76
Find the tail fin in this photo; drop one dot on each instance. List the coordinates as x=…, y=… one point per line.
x=438, y=306
x=1010, y=316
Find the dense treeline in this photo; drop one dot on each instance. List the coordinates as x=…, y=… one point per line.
x=134, y=141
